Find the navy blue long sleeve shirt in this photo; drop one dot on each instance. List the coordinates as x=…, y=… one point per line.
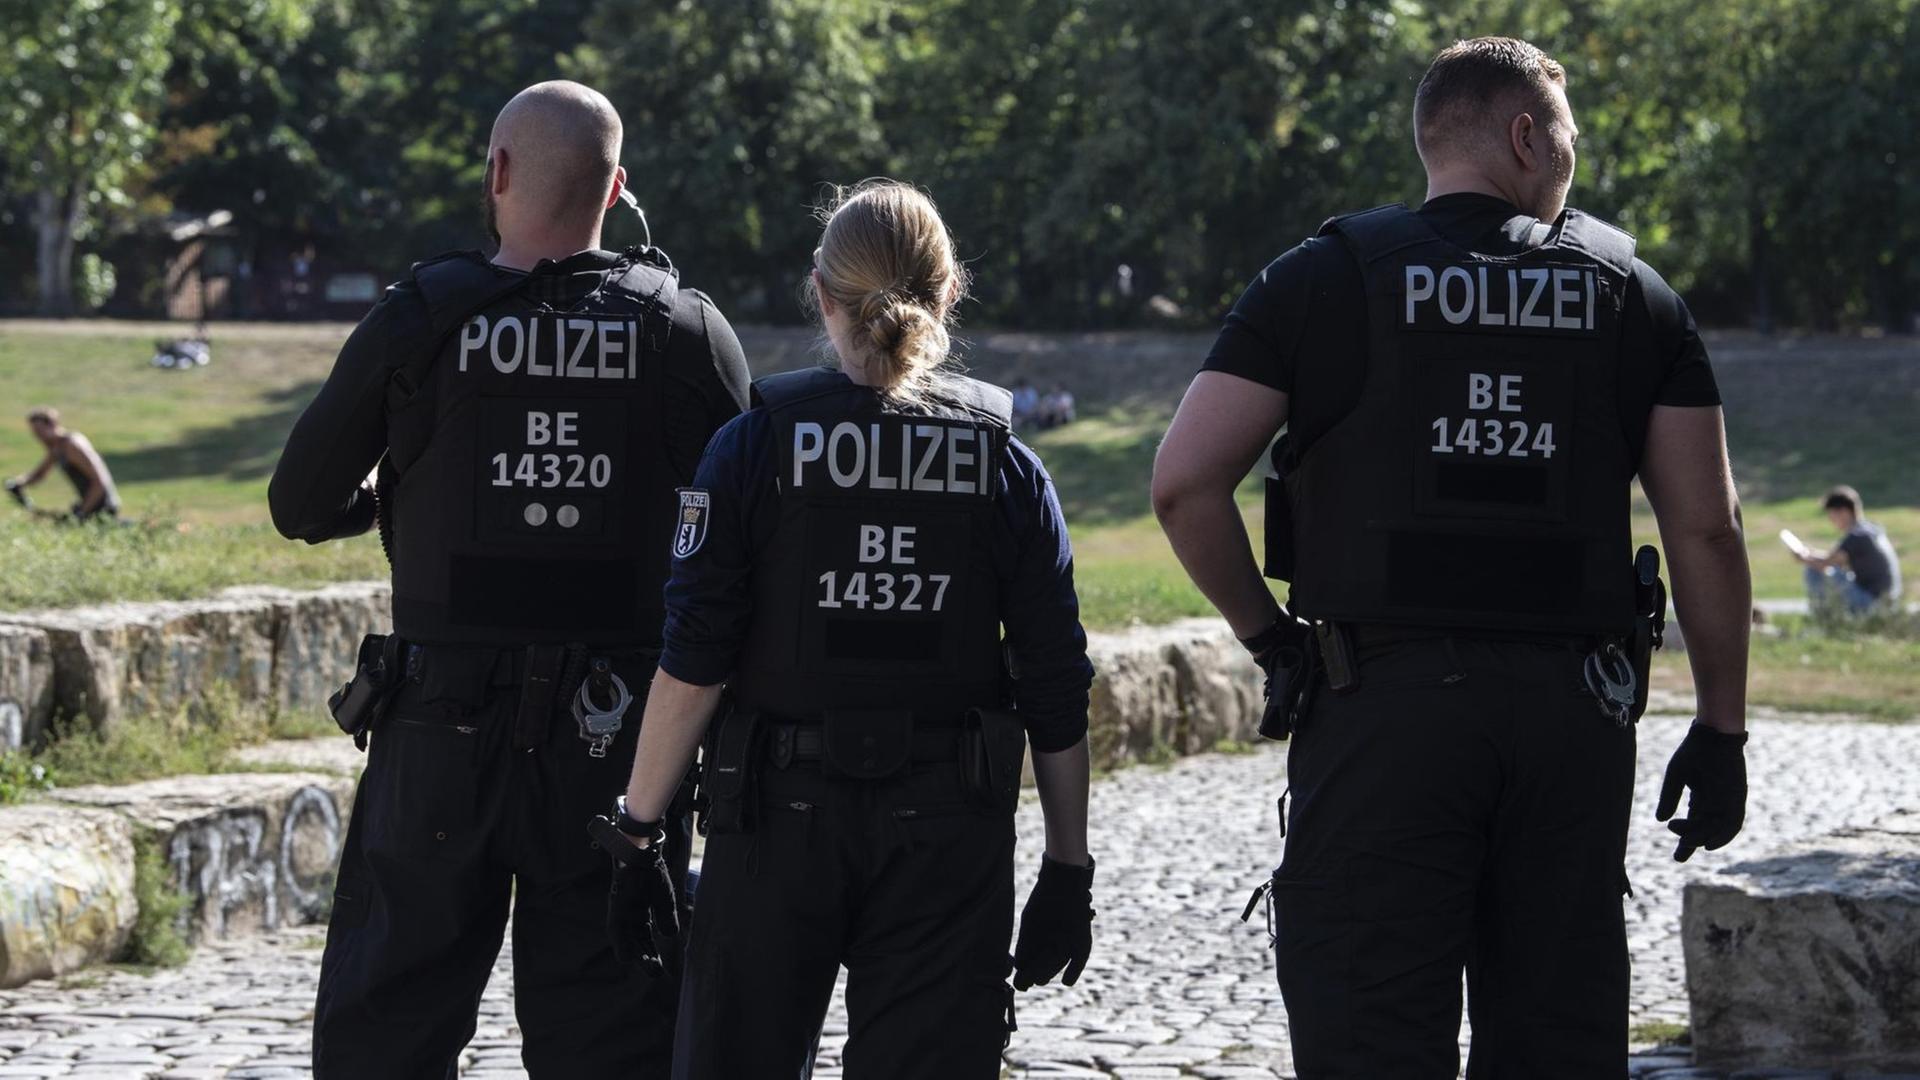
x=709, y=602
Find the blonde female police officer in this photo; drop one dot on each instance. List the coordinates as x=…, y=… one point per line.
x=848, y=557
x=1470, y=389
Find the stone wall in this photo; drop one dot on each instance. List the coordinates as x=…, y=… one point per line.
x=26, y=685
x=1811, y=954
x=1181, y=688
x=272, y=646
x=258, y=850
x=252, y=851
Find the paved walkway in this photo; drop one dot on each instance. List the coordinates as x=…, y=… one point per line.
x=1177, y=986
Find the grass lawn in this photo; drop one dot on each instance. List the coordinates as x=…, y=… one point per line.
x=192, y=452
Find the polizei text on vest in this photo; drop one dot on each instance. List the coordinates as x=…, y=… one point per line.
x=552, y=346
x=893, y=455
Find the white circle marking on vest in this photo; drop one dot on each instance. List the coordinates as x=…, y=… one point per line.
x=536, y=515
x=568, y=516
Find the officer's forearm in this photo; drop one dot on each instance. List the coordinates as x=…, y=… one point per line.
x=1210, y=538
x=1713, y=595
x=1062, y=780
x=675, y=721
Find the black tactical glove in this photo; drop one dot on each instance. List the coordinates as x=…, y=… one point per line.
x=1280, y=650
x=1056, y=927
x=1712, y=765
x=643, y=918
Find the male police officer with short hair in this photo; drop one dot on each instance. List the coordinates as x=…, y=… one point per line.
x=1469, y=390
x=532, y=416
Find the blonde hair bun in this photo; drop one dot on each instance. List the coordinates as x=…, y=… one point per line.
x=885, y=256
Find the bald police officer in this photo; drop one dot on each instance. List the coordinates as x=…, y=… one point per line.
x=532, y=415
x=1469, y=390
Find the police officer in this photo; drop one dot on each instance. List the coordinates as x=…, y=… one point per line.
x=1469, y=390
x=532, y=414
x=848, y=556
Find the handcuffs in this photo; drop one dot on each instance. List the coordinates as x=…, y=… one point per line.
x=1611, y=681
x=598, y=726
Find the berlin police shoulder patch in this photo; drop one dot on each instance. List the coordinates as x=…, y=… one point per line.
x=691, y=530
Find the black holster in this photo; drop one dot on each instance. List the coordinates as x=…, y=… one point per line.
x=1649, y=624
x=360, y=705
x=993, y=753
x=729, y=759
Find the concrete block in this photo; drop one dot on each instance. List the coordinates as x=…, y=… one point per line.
x=1811, y=954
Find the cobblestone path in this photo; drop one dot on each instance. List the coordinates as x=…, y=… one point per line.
x=1178, y=986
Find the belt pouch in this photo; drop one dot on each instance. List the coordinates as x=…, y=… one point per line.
x=726, y=779
x=866, y=744
x=538, y=689
x=993, y=754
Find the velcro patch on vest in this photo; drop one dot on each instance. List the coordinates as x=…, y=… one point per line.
x=889, y=456
x=885, y=584
x=1492, y=436
x=1500, y=298
x=551, y=469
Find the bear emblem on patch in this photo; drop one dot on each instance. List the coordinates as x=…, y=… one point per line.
x=692, y=530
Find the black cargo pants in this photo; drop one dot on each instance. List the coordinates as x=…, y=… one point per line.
x=453, y=825
x=905, y=881
x=1465, y=807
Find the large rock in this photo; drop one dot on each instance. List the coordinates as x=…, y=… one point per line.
x=272, y=646
x=1175, y=689
x=253, y=851
x=66, y=889
x=1812, y=954
x=26, y=685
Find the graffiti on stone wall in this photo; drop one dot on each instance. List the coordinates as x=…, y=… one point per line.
x=13, y=726
x=243, y=872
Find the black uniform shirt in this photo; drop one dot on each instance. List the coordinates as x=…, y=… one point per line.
x=1301, y=326
x=315, y=493
x=709, y=598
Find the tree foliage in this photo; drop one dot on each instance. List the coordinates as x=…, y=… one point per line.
x=1102, y=162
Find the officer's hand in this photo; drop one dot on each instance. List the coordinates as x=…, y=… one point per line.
x=1712, y=765
x=1280, y=652
x=643, y=918
x=1056, y=928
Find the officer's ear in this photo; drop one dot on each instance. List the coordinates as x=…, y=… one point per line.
x=619, y=185
x=1521, y=135
x=499, y=171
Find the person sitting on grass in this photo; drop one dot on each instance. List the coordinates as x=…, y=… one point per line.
x=78, y=461
x=1861, y=571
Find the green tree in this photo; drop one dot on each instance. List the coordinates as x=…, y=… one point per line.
x=737, y=113
x=83, y=83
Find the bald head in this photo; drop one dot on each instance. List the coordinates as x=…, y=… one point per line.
x=553, y=159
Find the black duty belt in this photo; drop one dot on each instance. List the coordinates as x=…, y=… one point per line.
x=1375, y=635
x=801, y=743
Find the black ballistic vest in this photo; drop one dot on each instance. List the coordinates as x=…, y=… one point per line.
x=531, y=500
x=878, y=589
x=1483, y=480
